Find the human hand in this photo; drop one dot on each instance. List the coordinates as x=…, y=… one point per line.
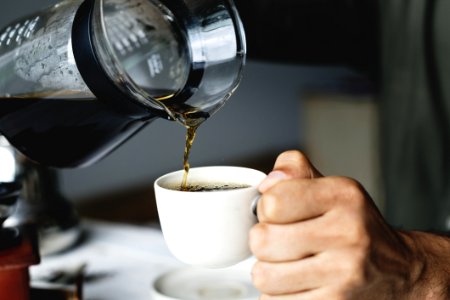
x=323, y=238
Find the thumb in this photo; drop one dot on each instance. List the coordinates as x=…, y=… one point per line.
x=289, y=165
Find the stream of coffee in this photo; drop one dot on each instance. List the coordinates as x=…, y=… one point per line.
x=190, y=137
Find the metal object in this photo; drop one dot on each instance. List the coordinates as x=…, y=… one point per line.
x=7, y=161
x=40, y=203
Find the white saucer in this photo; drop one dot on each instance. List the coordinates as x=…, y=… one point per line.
x=204, y=284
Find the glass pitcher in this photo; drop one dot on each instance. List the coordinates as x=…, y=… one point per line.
x=80, y=78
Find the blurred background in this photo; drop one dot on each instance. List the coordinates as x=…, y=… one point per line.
x=328, y=112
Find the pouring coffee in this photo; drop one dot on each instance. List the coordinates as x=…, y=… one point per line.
x=82, y=77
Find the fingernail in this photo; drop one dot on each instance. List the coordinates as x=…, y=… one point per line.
x=272, y=179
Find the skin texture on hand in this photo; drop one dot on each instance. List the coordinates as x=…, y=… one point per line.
x=323, y=238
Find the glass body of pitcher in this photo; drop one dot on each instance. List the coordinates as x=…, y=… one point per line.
x=80, y=78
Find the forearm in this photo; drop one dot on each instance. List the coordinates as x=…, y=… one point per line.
x=312, y=31
x=432, y=260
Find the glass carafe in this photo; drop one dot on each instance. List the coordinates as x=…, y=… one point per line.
x=80, y=78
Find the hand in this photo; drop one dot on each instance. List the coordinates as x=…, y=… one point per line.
x=323, y=238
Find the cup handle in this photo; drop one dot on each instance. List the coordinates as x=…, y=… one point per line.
x=254, y=206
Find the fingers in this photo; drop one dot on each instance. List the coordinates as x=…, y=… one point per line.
x=311, y=274
x=288, y=278
x=340, y=228
x=297, y=200
x=296, y=277
x=317, y=294
x=289, y=164
x=284, y=243
x=296, y=165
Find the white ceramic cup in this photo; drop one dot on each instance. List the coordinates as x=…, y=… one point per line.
x=208, y=229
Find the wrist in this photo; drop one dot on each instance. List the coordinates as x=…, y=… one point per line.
x=430, y=265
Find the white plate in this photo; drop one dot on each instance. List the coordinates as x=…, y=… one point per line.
x=204, y=284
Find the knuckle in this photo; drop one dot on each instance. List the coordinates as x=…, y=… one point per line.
x=363, y=240
x=353, y=192
x=272, y=208
x=358, y=236
x=335, y=292
x=298, y=158
x=341, y=292
x=340, y=295
x=296, y=155
x=261, y=276
x=356, y=270
x=258, y=238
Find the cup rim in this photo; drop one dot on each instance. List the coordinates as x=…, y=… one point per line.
x=195, y=169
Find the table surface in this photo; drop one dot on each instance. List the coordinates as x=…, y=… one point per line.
x=121, y=260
